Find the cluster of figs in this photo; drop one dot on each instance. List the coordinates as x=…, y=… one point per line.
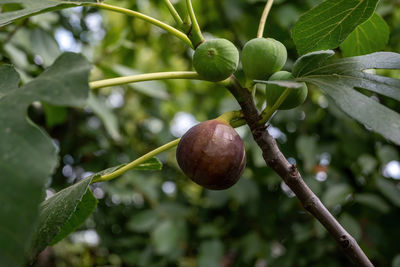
x=211, y=153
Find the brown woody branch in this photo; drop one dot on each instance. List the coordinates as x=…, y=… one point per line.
x=291, y=176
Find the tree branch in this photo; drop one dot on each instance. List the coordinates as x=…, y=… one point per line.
x=291, y=176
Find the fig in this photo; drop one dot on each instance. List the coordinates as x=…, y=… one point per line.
x=212, y=154
x=216, y=59
x=262, y=57
x=296, y=96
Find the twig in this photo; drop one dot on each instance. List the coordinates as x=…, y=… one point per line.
x=291, y=176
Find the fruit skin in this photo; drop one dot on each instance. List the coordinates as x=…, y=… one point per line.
x=212, y=154
x=215, y=60
x=296, y=96
x=262, y=57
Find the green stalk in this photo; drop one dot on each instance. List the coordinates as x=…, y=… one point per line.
x=145, y=77
x=149, y=19
x=263, y=18
x=269, y=111
x=195, y=33
x=230, y=115
x=174, y=13
x=136, y=162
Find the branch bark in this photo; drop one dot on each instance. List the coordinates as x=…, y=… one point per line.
x=291, y=176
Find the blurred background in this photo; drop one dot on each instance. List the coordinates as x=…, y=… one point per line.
x=164, y=219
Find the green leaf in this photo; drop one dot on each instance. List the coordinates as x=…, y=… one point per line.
x=106, y=115
x=336, y=194
x=396, y=261
x=285, y=84
x=44, y=45
x=338, y=79
x=210, y=253
x=55, y=115
x=28, y=156
x=371, y=36
x=167, y=236
x=373, y=201
x=351, y=225
x=84, y=209
x=143, y=221
x=61, y=214
x=389, y=190
x=152, y=164
x=329, y=23
x=306, y=147
x=30, y=8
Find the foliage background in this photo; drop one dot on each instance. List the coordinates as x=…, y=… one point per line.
x=162, y=218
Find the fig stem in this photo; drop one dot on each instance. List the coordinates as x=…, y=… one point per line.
x=145, y=77
x=195, y=32
x=229, y=116
x=263, y=18
x=269, y=111
x=174, y=13
x=146, y=18
x=136, y=162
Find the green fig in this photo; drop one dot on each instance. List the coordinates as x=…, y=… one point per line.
x=296, y=96
x=262, y=57
x=212, y=154
x=215, y=60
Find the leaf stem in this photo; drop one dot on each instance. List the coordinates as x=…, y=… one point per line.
x=149, y=19
x=173, y=12
x=145, y=77
x=269, y=111
x=195, y=33
x=136, y=162
x=263, y=18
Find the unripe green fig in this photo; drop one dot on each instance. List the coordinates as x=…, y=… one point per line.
x=212, y=154
x=215, y=60
x=296, y=96
x=262, y=57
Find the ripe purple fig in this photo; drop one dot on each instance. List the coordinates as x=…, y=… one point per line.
x=212, y=154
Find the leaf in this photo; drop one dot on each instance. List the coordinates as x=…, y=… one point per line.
x=371, y=36
x=106, y=115
x=210, y=253
x=167, y=236
x=152, y=164
x=373, y=201
x=285, y=84
x=55, y=115
x=143, y=221
x=45, y=46
x=336, y=194
x=28, y=156
x=329, y=23
x=30, y=8
x=351, y=225
x=61, y=214
x=84, y=209
x=338, y=79
x=396, y=261
x=68, y=209
x=306, y=147
x=389, y=190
